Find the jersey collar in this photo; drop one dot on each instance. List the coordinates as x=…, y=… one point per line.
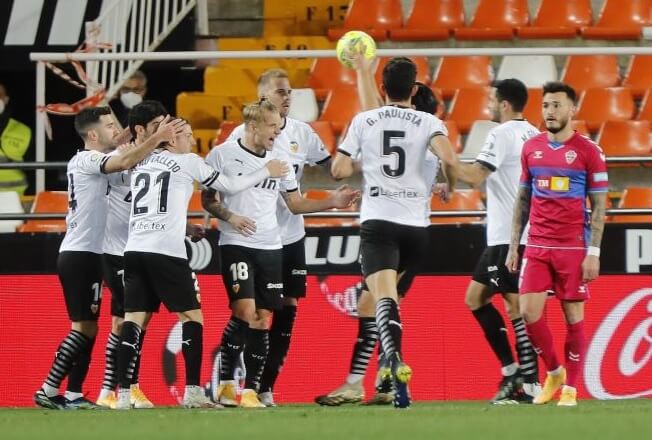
x=251, y=152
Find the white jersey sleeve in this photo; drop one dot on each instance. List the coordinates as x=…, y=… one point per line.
x=351, y=144
x=236, y=134
x=316, y=153
x=92, y=162
x=490, y=156
x=212, y=178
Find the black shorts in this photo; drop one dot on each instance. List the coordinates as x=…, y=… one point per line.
x=492, y=272
x=253, y=273
x=152, y=279
x=295, y=270
x=387, y=245
x=80, y=274
x=113, y=267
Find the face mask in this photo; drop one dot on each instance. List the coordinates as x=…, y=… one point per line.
x=130, y=99
x=2, y=106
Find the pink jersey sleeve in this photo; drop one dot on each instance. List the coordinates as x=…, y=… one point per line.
x=596, y=170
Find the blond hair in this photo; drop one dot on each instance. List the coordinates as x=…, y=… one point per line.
x=269, y=75
x=255, y=112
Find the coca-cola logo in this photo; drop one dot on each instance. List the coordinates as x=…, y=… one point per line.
x=619, y=358
x=344, y=299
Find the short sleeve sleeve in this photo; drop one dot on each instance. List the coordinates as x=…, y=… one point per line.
x=597, y=170
x=92, y=162
x=316, y=152
x=201, y=171
x=492, y=153
x=351, y=144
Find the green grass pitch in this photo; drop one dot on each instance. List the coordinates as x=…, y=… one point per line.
x=591, y=420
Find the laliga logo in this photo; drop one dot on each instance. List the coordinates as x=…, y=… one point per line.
x=636, y=352
x=201, y=254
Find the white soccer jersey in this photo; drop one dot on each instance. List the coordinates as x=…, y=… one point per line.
x=87, y=201
x=161, y=187
x=302, y=146
x=117, y=221
x=501, y=153
x=259, y=202
x=392, y=142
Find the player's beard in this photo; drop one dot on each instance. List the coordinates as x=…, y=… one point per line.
x=562, y=124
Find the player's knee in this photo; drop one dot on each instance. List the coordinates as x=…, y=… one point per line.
x=88, y=328
x=192, y=315
x=529, y=314
x=116, y=324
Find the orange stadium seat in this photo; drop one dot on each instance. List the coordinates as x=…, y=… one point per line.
x=375, y=17
x=558, y=19
x=461, y=200
x=620, y=20
x=327, y=74
x=441, y=105
x=645, y=113
x=423, y=69
x=226, y=128
x=48, y=202
x=430, y=20
x=626, y=138
x=533, y=111
x=495, y=20
x=591, y=71
x=205, y=140
x=302, y=17
x=454, y=136
x=340, y=107
x=635, y=197
x=468, y=106
x=454, y=73
x=207, y=111
x=323, y=222
x=325, y=132
x=638, y=77
x=599, y=105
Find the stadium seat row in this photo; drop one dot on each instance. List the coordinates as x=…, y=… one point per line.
x=463, y=199
x=495, y=20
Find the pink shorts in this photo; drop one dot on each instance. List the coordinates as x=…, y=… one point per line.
x=559, y=270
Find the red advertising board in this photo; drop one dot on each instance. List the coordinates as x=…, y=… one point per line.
x=442, y=342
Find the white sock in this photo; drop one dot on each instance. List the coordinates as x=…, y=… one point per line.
x=354, y=378
x=72, y=396
x=104, y=394
x=509, y=370
x=49, y=390
x=557, y=371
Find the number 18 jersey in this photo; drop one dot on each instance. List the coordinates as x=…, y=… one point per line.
x=392, y=143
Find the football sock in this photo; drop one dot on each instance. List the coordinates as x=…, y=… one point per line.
x=79, y=369
x=110, y=369
x=128, y=353
x=279, y=345
x=541, y=338
x=389, y=326
x=364, y=347
x=527, y=358
x=574, y=348
x=64, y=358
x=136, y=375
x=255, y=355
x=233, y=341
x=495, y=333
x=192, y=344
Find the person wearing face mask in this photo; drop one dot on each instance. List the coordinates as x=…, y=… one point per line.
x=15, y=138
x=130, y=95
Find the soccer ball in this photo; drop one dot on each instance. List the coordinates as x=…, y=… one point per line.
x=352, y=41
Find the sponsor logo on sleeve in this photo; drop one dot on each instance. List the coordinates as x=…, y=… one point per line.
x=600, y=177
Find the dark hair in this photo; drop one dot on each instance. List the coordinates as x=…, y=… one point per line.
x=512, y=91
x=399, y=76
x=557, y=86
x=143, y=113
x=425, y=100
x=87, y=118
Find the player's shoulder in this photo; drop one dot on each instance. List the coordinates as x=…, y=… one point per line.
x=297, y=125
x=536, y=140
x=223, y=148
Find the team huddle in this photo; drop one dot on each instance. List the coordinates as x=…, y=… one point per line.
x=127, y=223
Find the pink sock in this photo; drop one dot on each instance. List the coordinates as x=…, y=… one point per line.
x=574, y=348
x=541, y=339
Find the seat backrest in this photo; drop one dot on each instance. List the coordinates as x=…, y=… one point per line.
x=340, y=107
x=468, y=106
x=460, y=200
x=454, y=73
x=304, y=105
x=638, y=78
x=48, y=202
x=574, y=13
x=10, y=204
x=645, y=112
x=205, y=139
x=635, y=197
x=476, y=138
x=625, y=138
x=604, y=104
x=500, y=14
x=533, y=111
x=325, y=132
x=328, y=73
x=423, y=69
x=230, y=80
x=448, y=14
x=374, y=14
x=617, y=13
x=533, y=70
x=591, y=71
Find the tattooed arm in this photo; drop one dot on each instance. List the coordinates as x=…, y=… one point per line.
x=215, y=207
x=519, y=219
x=591, y=263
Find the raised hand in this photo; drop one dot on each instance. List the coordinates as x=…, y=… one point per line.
x=170, y=128
x=277, y=168
x=344, y=196
x=195, y=232
x=442, y=190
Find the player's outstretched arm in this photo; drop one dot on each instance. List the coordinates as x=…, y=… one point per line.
x=519, y=219
x=215, y=207
x=342, y=197
x=591, y=263
x=342, y=166
x=167, y=131
x=472, y=173
x=232, y=184
x=366, y=83
x=441, y=147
